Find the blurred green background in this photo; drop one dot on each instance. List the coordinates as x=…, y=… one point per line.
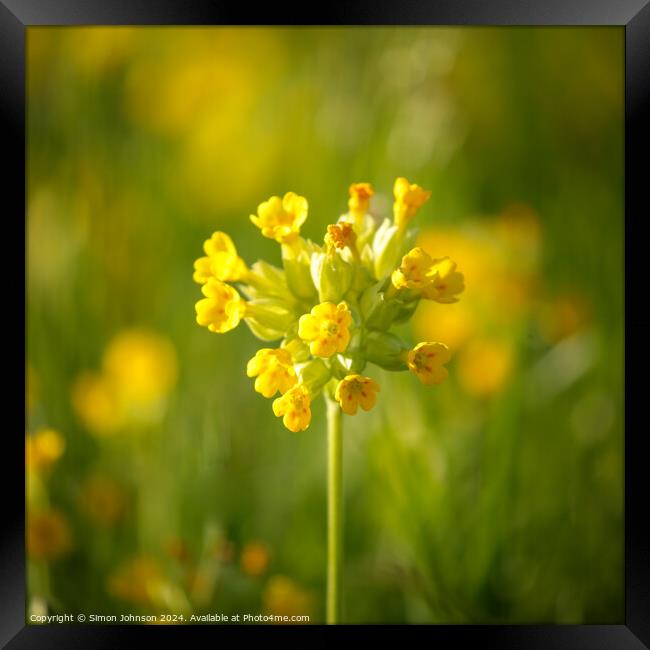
x=159, y=481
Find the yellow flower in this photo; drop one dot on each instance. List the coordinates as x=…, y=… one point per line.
x=139, y=370
x=255, y=558
x=96, y=404
x=284, y=597
x=140, y=581
x=435, y=279
x=294, y=406
x=355, y=391
x=408, y=199
x=485, y=365
x=446, y=282
x=222, y=261
x=280, y=219
x=414, y=272
x=426, y=361
x=43, y=448
x=142, y=367
x=341, y=235
x=48, y=535
x=360, y=194
x=221, y=309
x=326, y=328
x=274, y=371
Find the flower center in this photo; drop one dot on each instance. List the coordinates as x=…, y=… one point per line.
x=423, y=360
x=332, y=328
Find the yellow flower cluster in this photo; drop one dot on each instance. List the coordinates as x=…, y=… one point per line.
x=331, y=305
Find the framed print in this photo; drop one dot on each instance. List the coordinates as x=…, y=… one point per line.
x=326, y=324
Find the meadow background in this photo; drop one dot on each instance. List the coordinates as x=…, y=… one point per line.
x=159, y=481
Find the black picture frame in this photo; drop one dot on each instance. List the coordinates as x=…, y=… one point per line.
x=632, y=15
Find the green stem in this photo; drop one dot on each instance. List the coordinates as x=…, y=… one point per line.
x=334, y=510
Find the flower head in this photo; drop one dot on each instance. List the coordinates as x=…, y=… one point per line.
x=222, y=261
x=43, y=449
x=426, y=361
x=284, y=597
x=414, y=272
x=255, y=558
x=221, y=309
x=141, y=365
x=360, y=194
x=434, y=279
x=332, y=306
x=354, y=391
x=341, y=235
x=409, y=198
x=140, y=580
x=446, y=282
x=48, y=535
x=274, y=371
x=95, y=400
x=295, y=408
x=326, y=328
x=280, y=219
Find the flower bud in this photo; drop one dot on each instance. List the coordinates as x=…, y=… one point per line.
x=378, y=309
x=331, y=275
x=296, y=258
x=386, y=248
x=268, y=319
x=345, y=364
x=264, y=279
x=296, y=347
x=313, y=375
x=386, y=350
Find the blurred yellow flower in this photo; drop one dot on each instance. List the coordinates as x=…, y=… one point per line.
x=326, y=328
x=484, y=366
x=139, y=370
x=453, y=325
x=295, y=408
x=43, y=449
x=222, y=261
x=48, y=534
x=354, y=391
x=140, y=580
x=518, y=226
x=426, y=361
x=96, y=404
x=284, y=597
x=360, y=194
x=409, y=198
x=102, y=499
x=274, y=371
x=255, y=558
x=281, y=219
x=97, y=51
x=221, y=309
x=141, y=365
